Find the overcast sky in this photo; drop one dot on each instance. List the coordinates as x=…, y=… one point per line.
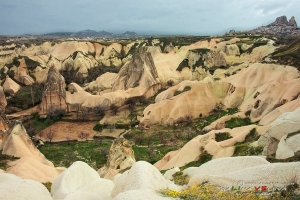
x=193, y=17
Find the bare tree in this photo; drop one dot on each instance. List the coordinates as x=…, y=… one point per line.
x=114, y=108
x=40, y=134
x=50, y=135
x=83, y=135
x=68, y=138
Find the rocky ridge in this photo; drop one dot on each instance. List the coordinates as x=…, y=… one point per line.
x=281, y=27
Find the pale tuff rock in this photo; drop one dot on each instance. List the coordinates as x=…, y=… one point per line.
x=32, y=163
x=276, y=139
x=79, y=100
x=54, y=95
x=169, y=173
x=260, y=88
x=169, y=108
x=193, y=149
x=22, y=75
x=17, y=143
x=10, y=87
x=80, y=181
x=31, y=168
x=3, y=102
x=142, y=176
x=287, y=146
x=221, y=165
x=138, y=76
x=121, y=156
x=13, y=187
x=104, y=81
x=270, y=175
x=83, y=63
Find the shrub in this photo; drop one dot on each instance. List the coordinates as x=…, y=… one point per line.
x=222, y=136
x=180, y=179
x=186, y=88
x=183, y=64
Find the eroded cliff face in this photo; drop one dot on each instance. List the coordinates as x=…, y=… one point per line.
x=138, y=77
x=54, y=95
x=121, y=156
x=22, y=74
x=3, y=120
x=262, y=89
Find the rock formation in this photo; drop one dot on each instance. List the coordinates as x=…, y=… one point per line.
x=80, y=181
x=22, y=75
x=206, y=143
x=13, y=187
x=143, y=177
x=121, y=156
x=269, y=175
x=250, y=89
x=279, y=138
x=17, y=143
x=54, y=95
x=79, y=100
x=103, y=82
x=281, y=27
x=138, y=76
x=292, y=22
x=32, y=163
x=10, y=87
x=3, y=120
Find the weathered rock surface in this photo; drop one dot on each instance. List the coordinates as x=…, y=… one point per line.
x=142, y=176
x=260, y=88
x=31, y=168
x=276, y=139
x=225, y=165
x=22, y=75
x=121, y=156
x=17, y=143
x=105, y=81
x=3, y=120
x=54, y=95
x=287, y=146
x=270, y=175
x=138, y=76
x=10, y=87
x=193, y=149
x=13, y=187
x=281, y=27
x=80, y=181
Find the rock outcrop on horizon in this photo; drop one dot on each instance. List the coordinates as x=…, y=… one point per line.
x=281, y=27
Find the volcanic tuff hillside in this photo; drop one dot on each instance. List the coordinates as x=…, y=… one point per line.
x=181, y=101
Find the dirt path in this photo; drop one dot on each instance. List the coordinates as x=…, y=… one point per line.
x=63, y=131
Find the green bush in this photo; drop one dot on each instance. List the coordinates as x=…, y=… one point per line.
x=180, y=179
x=183, y=64
x=237, y=122
x=222, y=136
x=98, y=127
x=186, y=88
